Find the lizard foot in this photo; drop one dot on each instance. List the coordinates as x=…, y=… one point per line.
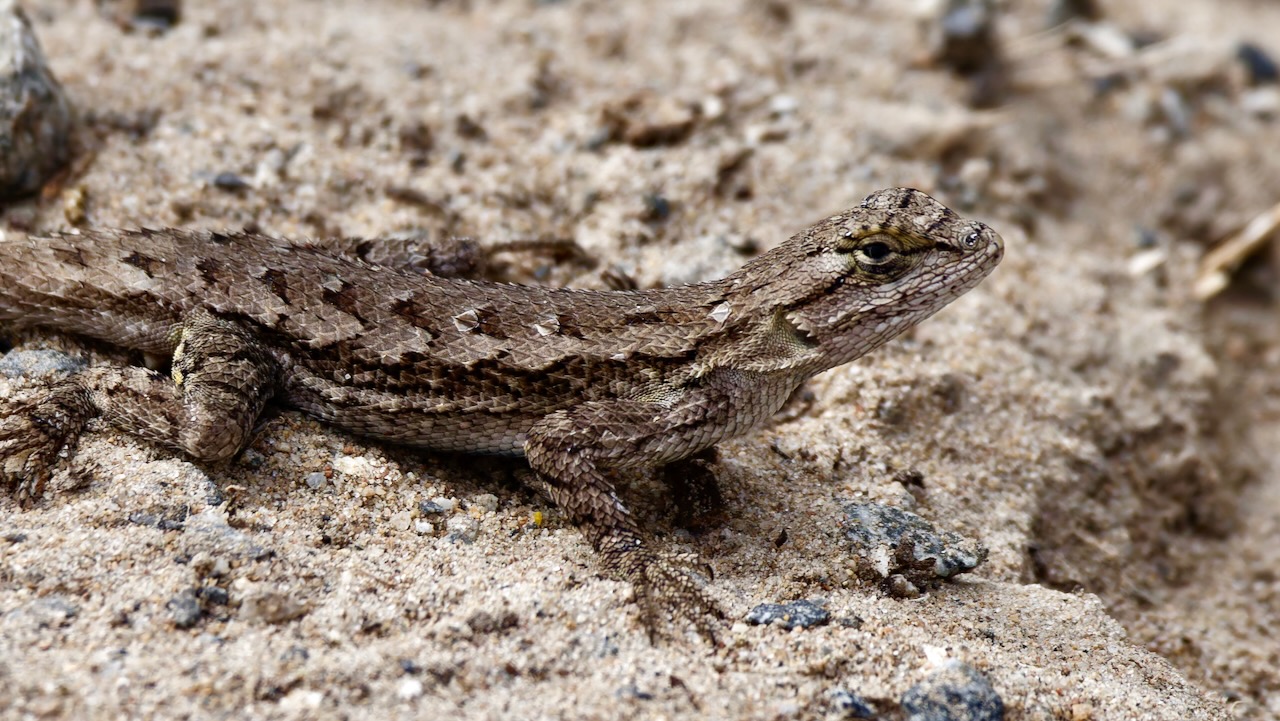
x=667, y=587
x=33, y=436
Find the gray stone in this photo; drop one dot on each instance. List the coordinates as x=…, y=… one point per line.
x=185, y=609
x=796, y=614
x=850, y=705
x=38, y=364
x=955, y=692
x=904, y=551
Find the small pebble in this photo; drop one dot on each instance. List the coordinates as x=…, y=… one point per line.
x=315, y=480
x=796, y=614
x=487, y=502
x=48, y=612
x=1062, y=11
x=462, y=528
x=955, y=692
x=400, y=521
x=185, y=609
x=442, y=505
x=656, y=208
x=152, y=17
x=783, y=104
x=252, y=459
x=850, y=705
x=354, y=466
x=1260, y=66
x=965, y=35
x=229, y=181
x=409, y=689
x=214, y=595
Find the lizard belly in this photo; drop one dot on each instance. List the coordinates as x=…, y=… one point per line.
x=413, y=419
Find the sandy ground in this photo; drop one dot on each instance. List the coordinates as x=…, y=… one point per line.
x=1110, y=439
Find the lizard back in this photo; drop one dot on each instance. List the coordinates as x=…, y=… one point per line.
x=358, y=343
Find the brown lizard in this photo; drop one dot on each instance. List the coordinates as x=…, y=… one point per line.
x=576, y=381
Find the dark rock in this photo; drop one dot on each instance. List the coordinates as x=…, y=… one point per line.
x=49, y=612
x=904, y=551
x=229, y=181
x=163, y=518
x=956, y=692
x=35, y=116
x=214, y=595
x=647, y=120
x=656, y=208
x=148, y=16
x=964, y=39
x=467, y=127
x=796, y=614
x=185, y=609
x=850, y=705
x=1066, y=10
x=965, y=35
x=483, y=622
x=1260, y=66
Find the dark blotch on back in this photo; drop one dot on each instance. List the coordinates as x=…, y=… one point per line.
x=647, y=317
x=490, y=323
x=345, y=299
x=409, y=310
x=209, y=269
x=70, y=256
x=569, y=328
x=277, y=281
x=142, y=262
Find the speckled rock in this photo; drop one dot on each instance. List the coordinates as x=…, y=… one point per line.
x=904, y=551
x=796, y=614
x=38, y=364
x=956, y=692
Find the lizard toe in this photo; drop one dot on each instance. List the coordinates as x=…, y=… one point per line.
x=33, y=439
x=669, y=590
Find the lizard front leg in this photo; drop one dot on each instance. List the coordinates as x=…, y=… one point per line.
x=222, y=378
x=570, y=449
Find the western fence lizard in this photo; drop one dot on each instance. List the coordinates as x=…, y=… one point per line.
x=576, y=381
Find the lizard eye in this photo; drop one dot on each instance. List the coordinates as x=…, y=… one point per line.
x=877, y=257
x=880, y=256
x=876, y=250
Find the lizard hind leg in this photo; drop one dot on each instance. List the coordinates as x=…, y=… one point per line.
x=222, y=378
x=567, y=450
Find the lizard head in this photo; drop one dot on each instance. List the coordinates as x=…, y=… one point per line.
x=853, y=281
